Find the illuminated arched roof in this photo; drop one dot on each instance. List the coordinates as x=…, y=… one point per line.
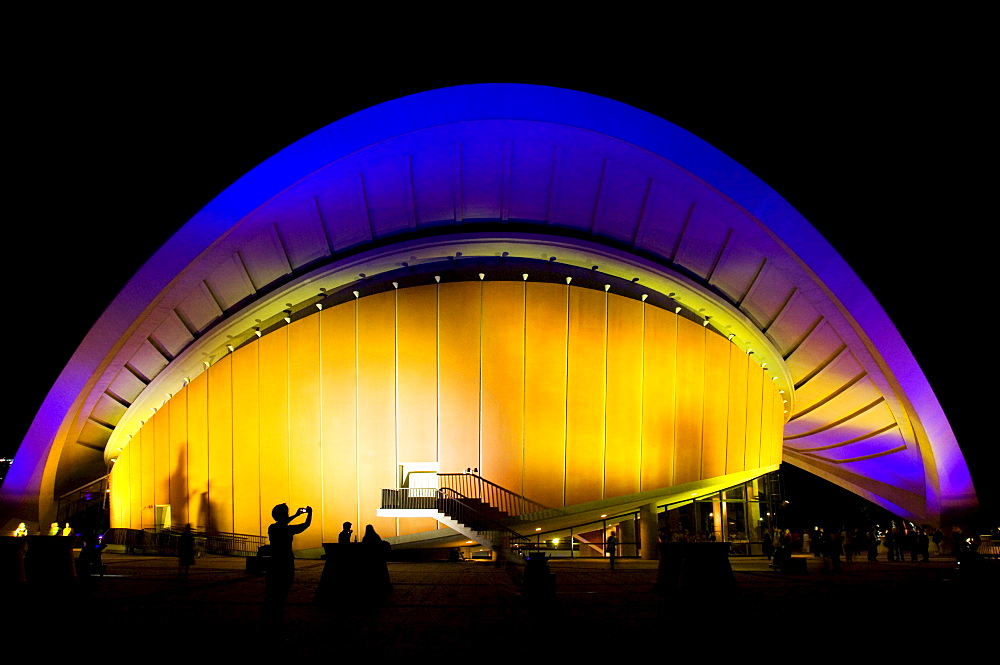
x=534, y=172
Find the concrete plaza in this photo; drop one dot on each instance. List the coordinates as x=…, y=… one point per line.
x=141, y=606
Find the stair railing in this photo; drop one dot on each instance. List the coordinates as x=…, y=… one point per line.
x=474, y=486
x=460, y=508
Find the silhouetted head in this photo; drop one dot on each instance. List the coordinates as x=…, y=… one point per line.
x=347, y=526
x=280, y=512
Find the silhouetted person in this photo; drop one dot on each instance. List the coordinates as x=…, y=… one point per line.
x=281, y=569
x=375, y=564
x=936, y=539
x=783, y=553
x=90, y=561
x=185, y=551
x=612, y=547
x=871, y=542
x=345, y=535
x=923, y=545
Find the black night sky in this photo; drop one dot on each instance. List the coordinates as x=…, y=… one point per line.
x=883, y=150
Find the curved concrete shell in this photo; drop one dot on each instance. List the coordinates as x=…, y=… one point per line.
x=493, y=178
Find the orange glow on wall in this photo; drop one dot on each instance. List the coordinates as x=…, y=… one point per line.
x=563, y=393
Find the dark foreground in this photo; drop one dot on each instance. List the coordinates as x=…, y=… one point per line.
x=141, y=610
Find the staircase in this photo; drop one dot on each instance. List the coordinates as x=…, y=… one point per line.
x=475, y=507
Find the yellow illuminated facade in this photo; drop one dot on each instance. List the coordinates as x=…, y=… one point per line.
x=563, y=394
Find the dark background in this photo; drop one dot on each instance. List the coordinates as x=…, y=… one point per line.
x=883, y=141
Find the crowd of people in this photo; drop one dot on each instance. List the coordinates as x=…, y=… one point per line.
x=895, y=543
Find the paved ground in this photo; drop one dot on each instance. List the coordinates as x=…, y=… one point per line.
x=142, y=609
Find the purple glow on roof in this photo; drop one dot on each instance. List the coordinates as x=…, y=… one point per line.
x=369, y=129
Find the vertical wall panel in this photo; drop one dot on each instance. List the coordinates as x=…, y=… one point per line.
x=121, y=486
x=690, y=400
x=777, y=430
x=148, y=446
x=736, y=437
x=624, y=396
x=274, y=487
x=146, y=449
x=305, y=455
x=220, y=444
x=755, y=385
x=416, y=328
x=248, y=516
x=338, y=360
x=160, y=424
x=416, y=384
x=458, y=370
x=585, y=388
x=545, y=392
x=114, y=484
x=658, y=381
x=135, y=473
x=179, y=494
x=766, y=420
x=376, y=406
x=715, y=435
x=199, y=508
x=776, y=415
x=503, y=384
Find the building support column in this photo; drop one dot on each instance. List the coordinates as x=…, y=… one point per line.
x=649, y=527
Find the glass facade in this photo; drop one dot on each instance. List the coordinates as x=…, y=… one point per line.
x=738, y=515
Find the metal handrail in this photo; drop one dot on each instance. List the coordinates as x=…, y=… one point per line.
x=486, y=520
x=502, y=539
x=409, y=498
x=164, y=541
x=474, y=486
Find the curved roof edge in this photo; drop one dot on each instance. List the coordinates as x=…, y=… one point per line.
x=28, y=479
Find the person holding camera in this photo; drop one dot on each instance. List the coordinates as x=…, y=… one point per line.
x=281, y=569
